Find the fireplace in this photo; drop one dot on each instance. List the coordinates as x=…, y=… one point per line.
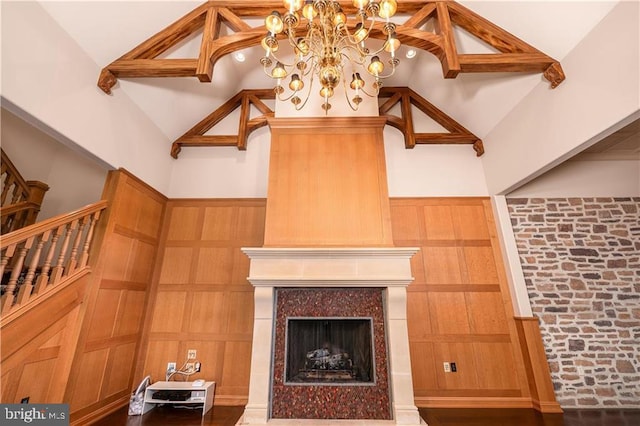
x=329, y=351
x=363, y=285
x=330, y=354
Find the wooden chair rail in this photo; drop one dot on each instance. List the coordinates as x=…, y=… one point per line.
x=36, y=258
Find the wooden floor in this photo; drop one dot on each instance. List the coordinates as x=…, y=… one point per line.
x=228, y=416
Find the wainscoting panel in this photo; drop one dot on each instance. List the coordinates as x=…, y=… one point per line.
x=327, y=183
x=102, y=375
x=202, y=299
x=459, y=307
x=37, y=347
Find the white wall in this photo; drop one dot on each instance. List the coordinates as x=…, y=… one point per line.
x=425, y=171
x=49, y=77
x=602, y=88
x=74, y=180
x=432, y=170
x=223, y=172
x=613, y=178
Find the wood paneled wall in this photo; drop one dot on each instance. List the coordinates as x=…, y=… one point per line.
x=38, y=345
x=459, y=307
x=327, y=183
x=102, y=373
x=203, y=300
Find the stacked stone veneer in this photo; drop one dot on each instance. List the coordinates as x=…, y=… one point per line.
x=581, y=262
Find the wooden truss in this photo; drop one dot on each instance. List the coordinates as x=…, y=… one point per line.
x=196, y=136
x=457, y=134
x=514, y=54
x=244, y=99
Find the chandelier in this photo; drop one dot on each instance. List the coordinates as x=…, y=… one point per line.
x=328, y=48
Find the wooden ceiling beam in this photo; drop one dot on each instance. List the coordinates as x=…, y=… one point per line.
x=390, y=103
x=420, y=39
x=234, y=21
x=154, y=68
x=231, y=43
x=458, y=134
x=444, y=138
x=169, y=36
x=202, y=140
x=503, y=62
x=261, y=9
x=407, y=117
x=421, y=17
x=486, y=30
x=515, y=55
x=135, y=68
x=246, y=125
x=210, y=32
x=449, y=57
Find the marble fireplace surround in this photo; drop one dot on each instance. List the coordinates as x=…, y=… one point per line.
x=389, y=268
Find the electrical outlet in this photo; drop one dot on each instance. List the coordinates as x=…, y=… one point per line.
x=171, y=368
x=190, y=367
x=447, y=367
x=453, y=367
x=191, y=354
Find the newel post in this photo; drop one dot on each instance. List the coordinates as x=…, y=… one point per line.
x=37, y=190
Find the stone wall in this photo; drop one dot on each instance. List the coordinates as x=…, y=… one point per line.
x=581, y=263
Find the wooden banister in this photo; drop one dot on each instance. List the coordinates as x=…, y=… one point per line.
x=14, y=187
x=38, y=257
x=20, y=199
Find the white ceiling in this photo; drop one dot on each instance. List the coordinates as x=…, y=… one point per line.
x=105, y=30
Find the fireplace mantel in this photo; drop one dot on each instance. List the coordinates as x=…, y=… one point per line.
x=388, y=267
x=329, y=267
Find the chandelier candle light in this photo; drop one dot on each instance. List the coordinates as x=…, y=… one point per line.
x=327, y=47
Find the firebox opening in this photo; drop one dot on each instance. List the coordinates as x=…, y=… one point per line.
x=329, y=351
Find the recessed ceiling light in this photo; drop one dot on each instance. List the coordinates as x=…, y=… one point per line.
x=411, y=53
x=239, y=56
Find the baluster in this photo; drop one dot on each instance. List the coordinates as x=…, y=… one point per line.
x=5, y=190
x=84, y=257
x=27, y=288
x=8, y=297
x=72, y=262
x=17, y=194
x=58, y=270
x=5, y=258
x=43, y=279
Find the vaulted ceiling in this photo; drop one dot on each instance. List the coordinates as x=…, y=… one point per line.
x=451, y=70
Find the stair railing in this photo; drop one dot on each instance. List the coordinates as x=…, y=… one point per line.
x=35, y=259
x=20, y=200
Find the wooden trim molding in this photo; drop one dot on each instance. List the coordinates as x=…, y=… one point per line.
x=537, y=368
x=473, y=402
